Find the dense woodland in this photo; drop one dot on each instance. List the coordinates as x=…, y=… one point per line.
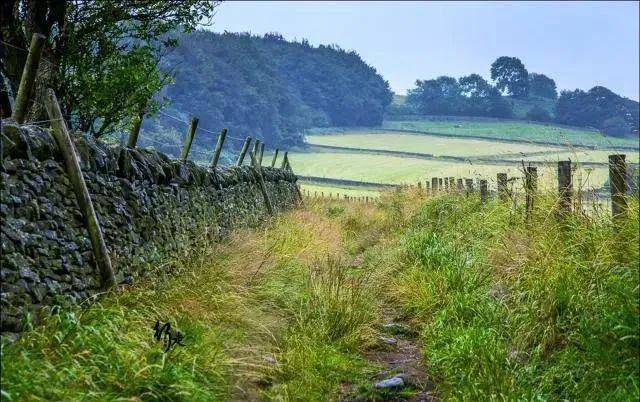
x=268, y=87
x=472, y=95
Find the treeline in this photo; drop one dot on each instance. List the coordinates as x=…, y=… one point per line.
x=267, y=87
x=472, y=95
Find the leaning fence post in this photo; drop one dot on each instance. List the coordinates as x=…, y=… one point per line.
x=530, y=185
x=275, y=157
x=135, y=131
x=502, y=186
x=618, y=184
x=263, y=188
x=254, y=150
x=218, y=150
x=565, y=187
x=484, y=196
x=28, y=78
x=284, y=160
x=261, y=154
x=67, y=149
x=189, y=139
x=243, y=151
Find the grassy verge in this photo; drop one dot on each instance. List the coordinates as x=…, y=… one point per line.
x=505, y=309
x=511, y=310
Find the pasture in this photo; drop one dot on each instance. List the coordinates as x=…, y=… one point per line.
x=362, y=155
x=516, y=131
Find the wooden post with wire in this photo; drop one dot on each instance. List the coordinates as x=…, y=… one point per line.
x=502, y=186
x=434, y=185
x=135, y=131
x=484, y=192
x=469, y=183
x=460, y=185
x=275, y=157
x=218, y=150
x=193, y=125
x=254, y=150
x=243, y=151
x=25, y=90
x=261, y=154
x=263, y=188
x=618, y=184
x=285, y=161
x=530, y=186
x=67, y=149
x=565, y=188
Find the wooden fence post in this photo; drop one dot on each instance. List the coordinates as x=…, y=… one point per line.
x=446, y=183
x=565, y=187
x=218, y=150
x=427, y=187
x=263, y=188
x=502, y=186
x=275, y=157
x=261, y=154
x=484, y=196
x=189, y=139
x=67, y=149
x=25, y=90
x=254, y=150
x=469, y=183
x=440, y=187
x=618, y=184
x=460, y=185
x=530, y=186
x=243, y=151
x=135, y=131
x=434, y=185
x=452, y=183
x=285, y=160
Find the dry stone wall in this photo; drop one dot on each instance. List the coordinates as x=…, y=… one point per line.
x=150, y=208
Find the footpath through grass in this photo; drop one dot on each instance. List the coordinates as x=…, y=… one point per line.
x=505, y=310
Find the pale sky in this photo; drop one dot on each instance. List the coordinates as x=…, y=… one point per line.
x=579, y=44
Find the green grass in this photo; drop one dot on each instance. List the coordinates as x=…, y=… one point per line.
x=505, y=308
x=509, y=310
x=509, y=130
x=391, y=141
x=398, y=170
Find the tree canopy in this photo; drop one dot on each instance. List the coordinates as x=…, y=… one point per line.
x=269, y=88
x=511, y=76
x=101, y=56
x=543, y=86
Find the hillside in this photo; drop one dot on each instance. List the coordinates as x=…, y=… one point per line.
x=456, y=299
x=267, y=87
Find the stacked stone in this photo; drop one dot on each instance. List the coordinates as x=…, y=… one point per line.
x=149, y=207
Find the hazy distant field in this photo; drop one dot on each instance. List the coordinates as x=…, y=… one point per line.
x=357, y=164
x=515, y=130
x=423, y=144
x=398, y=170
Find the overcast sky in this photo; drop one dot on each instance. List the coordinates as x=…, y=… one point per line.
x=579, y=44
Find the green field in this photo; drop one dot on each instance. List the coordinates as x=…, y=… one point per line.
x=521, y=131
x=398, y=170
x=357, y=162
x=392, y=141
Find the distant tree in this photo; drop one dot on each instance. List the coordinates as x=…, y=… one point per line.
x=474, y=86
x=538, y=113
x=511, y=76
x=616, y=127
x=595, y=107
x=437, y=96
x=543, y=86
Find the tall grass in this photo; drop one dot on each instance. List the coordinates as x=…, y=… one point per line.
x=517, y=310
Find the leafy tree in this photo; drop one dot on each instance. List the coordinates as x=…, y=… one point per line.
x=594, y=107
x=543, y=86
x=100, y=56
x=474, y=86
x=538, y=113
x=267, y=87
x=616, y=127
x=511, y=76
